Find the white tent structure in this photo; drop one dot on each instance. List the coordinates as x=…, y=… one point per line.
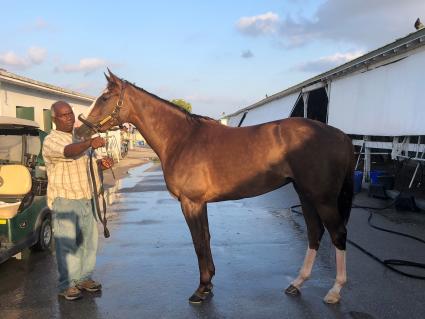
x=376, y=98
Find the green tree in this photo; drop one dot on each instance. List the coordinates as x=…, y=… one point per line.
x=183, y=104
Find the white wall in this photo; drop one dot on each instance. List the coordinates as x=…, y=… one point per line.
x=234, y=120
x=271, y=111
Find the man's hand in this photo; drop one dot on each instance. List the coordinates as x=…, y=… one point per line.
x=107, y=162
x=97, y=142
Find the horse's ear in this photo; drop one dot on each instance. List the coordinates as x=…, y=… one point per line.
x=109, y=71
x=107, y=77
x=114, y=82
x=112, y=76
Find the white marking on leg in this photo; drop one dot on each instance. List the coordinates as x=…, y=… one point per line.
x=333, y=295
x=306, y=269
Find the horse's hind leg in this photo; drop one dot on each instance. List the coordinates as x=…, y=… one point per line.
x=334, y=223
x=197, y=220
x=315, y=231
x=333, y=295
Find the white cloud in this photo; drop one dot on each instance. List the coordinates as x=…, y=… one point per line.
x=11, y=59
x=262, y=24
x=86, y=65
x=35, y=55
x=365, y=23
x=328, y=62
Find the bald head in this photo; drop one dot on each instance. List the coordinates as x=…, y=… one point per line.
x=57, y=105
x=63, y=116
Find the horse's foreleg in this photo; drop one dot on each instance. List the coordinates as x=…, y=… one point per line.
x=211, y=266
x=315, y=231
x=197, y=220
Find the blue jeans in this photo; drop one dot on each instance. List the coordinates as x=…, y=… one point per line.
x=75, y=233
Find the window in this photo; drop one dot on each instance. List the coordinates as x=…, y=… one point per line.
x=47, y=120
x=23, y=112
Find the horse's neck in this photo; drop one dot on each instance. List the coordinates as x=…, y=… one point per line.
x=163, y=126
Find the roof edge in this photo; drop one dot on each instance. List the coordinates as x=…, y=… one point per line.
x=10, y=120
x=24, y=81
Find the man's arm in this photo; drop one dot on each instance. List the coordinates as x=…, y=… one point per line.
x=75, y=149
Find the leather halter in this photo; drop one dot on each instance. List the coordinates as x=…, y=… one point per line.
x=114, y=116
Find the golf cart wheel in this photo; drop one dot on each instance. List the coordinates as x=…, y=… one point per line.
x=45, y=235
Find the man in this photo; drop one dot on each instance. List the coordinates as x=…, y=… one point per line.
x=125, y=139
x=69, y=196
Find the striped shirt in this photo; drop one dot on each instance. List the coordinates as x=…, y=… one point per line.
x=67, y=177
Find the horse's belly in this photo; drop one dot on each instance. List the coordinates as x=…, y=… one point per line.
x=255, y=187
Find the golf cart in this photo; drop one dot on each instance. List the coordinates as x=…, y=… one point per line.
x=25, y=220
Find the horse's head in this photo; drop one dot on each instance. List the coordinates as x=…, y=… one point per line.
x=109, y=110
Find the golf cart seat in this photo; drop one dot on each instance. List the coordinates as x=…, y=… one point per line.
x=15, y=183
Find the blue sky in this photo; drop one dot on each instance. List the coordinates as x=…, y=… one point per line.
x=218, y=55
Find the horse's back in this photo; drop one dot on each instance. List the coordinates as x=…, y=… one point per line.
x=297, y=137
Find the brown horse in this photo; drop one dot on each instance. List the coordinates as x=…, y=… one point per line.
x=204, y=161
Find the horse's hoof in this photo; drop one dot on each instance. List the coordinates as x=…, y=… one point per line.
x=199, y=297
x=196, y=298
x=332, y=297
x=292, y=290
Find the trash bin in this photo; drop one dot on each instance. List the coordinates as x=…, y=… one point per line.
x=358, y=178
x=374, y=175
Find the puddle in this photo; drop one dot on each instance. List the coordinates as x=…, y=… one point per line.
x=136, y=176
x=141, y=222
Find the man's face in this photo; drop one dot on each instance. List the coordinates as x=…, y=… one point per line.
x=64, y=118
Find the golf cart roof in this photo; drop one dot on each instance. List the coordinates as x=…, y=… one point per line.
x=9, y=121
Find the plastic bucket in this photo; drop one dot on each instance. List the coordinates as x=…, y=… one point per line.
x=358, y=178
x=374, y=176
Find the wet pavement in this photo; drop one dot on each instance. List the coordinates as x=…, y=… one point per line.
x=148, y=266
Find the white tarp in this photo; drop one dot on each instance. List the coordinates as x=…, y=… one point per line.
x=275, y=110
x=387, y=101
x=234, y=120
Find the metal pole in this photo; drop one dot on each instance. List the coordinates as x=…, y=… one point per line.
x=305, y=99
x=366, y=171
x=416, y=169
x=358, y=158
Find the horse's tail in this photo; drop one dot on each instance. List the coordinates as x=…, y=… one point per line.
x=345, y=198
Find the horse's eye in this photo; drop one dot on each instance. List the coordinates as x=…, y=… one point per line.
x=104, y=98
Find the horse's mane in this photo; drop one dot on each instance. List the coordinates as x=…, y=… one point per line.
x=189, y=115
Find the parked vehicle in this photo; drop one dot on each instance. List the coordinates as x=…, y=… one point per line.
x=25, y=220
